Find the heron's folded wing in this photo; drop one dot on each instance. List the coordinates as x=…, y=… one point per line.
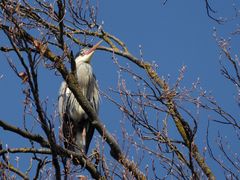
x=63, y=96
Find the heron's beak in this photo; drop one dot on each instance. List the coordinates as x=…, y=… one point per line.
x=93, y=48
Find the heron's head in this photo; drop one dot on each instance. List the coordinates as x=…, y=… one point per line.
x=86, y=54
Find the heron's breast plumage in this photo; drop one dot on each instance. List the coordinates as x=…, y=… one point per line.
x=89, y=87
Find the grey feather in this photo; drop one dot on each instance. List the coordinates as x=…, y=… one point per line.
x=73, y=118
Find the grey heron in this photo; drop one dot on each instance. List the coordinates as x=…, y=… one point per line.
x=75, y=124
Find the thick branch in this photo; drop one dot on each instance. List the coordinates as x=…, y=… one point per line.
x=25, y=150
x=25, y=134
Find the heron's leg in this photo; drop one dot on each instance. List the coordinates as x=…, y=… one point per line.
x=80, y=141
x=84, y=136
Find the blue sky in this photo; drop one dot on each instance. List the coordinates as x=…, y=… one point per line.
x=179, y=33
x=174, y=35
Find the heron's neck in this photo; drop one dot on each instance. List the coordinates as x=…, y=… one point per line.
x=84, y=59
x=81, y=63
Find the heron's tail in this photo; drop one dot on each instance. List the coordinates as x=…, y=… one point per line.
x=84, y=136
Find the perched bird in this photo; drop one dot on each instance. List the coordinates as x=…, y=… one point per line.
x=75, y=124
